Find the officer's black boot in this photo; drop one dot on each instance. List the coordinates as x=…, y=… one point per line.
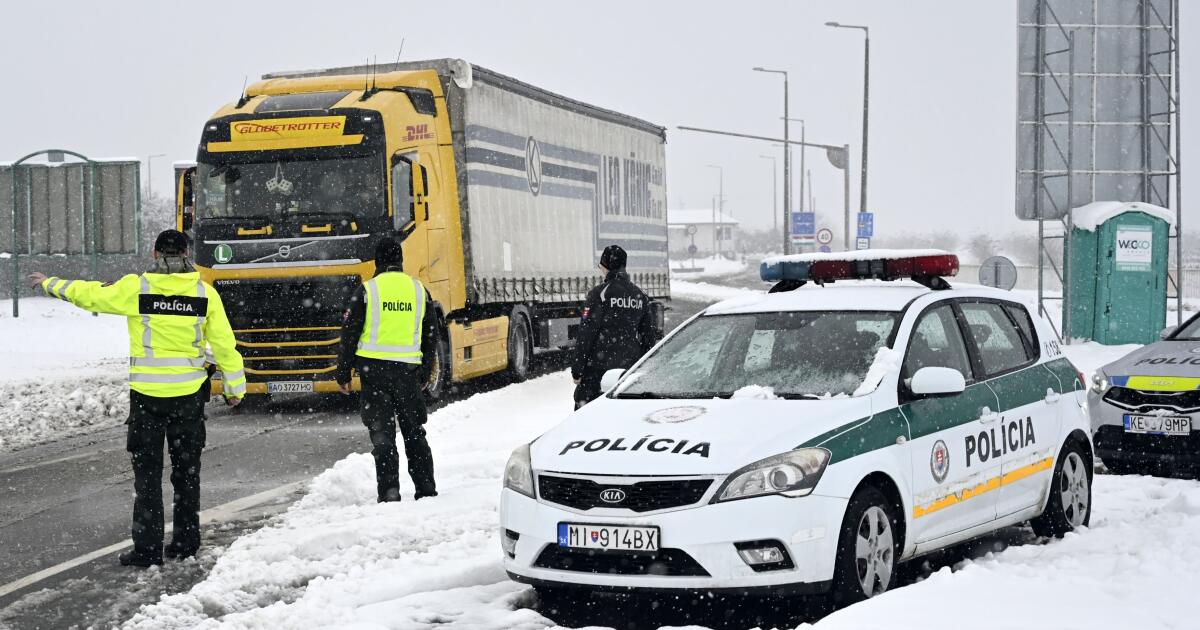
x=132, y=559
x=178, y=551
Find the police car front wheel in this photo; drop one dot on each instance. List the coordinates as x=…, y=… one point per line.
x=867, y=548
x=1070, y=504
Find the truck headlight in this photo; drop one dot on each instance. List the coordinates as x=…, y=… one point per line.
x=518, y=473
x=792, y=474
x=1099, y=383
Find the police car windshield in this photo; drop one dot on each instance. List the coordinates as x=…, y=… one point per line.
x=351, y=186
x=796, y=354
x=1189, y=332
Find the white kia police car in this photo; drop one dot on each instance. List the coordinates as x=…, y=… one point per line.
x=809, y=439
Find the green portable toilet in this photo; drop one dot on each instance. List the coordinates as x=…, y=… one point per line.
x=1118, y=272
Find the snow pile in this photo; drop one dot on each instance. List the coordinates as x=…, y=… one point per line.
x=756, y=392
x=1091, y=216
x=713, y=267
x=1145, y=532
x=339, y=558
x=706, y=292
x=886, y=361
x=63, y=372
x=33, y=411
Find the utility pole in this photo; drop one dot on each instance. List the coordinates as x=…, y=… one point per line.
x=149, y=177
x=787, y=161
x=862, y=198
x=719, y=207
x=774, y=193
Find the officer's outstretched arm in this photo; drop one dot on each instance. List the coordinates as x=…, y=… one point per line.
x=219, y=335
x=118, y=298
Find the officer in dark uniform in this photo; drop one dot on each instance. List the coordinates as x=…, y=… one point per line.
x=389, y=333
x=617, y=327
x=173, y=316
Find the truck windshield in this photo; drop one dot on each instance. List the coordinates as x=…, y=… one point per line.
x=796, y=354
x=277, y=190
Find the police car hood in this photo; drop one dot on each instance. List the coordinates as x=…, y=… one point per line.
x=686, y=437
x=1164, y=358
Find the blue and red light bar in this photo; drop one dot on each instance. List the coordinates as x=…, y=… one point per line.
x=878, y=264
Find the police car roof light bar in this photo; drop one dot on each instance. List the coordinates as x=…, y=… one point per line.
x=927, y=267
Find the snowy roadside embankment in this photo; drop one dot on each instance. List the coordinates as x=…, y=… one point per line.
x=705, y=292
x=712, y=267
x=339, y=558
x=63, y=372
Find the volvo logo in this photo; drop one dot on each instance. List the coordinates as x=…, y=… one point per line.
x=612, y=495
x=285, y=251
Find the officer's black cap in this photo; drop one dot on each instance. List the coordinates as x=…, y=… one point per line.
x=613, y=258
x=389, y=253
x=171, y=243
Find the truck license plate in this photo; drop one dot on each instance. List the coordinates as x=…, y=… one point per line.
x=289, y=387
x=608, y=537
x=1160, y=425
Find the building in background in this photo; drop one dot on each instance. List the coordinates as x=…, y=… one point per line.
x=685, y=227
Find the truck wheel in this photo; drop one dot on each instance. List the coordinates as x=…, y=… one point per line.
x=520, y=349
x=439, y=377
x=1070, y=503
x=867, y=553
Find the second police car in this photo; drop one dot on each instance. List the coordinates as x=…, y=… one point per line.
x=808, y=440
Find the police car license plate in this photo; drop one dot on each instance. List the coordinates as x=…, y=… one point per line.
x=608, y=537
x=289, y=387
x=1160, y=425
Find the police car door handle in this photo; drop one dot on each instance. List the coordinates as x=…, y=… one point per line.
x=1052, y=396
x=986, y=415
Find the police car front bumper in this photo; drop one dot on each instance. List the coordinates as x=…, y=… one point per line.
x=697, y=550
x=1114, y=443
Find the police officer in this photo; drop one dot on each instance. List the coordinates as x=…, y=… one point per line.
x=173, y=317
x=617, y=327
x=389, y=334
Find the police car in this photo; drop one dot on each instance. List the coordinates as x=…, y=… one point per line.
x=1145, y=407
x=861, y=414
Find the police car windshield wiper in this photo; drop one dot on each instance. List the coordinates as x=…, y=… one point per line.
x=642, y=395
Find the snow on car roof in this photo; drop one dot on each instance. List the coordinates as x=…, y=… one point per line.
x=851, y=295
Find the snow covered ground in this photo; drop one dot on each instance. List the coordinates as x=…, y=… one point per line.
x=712, y=267
x=62, y=372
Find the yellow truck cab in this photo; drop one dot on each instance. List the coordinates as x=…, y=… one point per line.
x=503, y=195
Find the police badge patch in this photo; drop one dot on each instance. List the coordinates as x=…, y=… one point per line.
x=939, y=461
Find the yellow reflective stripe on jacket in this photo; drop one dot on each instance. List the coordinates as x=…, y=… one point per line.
x=393, y=335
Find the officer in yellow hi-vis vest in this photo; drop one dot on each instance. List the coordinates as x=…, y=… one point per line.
x=173, y=317
x=389, y=333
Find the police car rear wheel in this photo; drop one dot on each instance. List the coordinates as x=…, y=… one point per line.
x=1070, y=503
x=866, y=560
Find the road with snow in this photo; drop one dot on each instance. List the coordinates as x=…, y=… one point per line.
x=71, y=495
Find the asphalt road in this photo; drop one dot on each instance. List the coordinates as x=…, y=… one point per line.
x=73, y=497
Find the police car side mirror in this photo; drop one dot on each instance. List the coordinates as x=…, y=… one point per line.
x=1166, y=332
x=610, y=378
x=937, y=381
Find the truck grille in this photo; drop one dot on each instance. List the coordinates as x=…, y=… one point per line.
x=1142, y=401
x=642, y=496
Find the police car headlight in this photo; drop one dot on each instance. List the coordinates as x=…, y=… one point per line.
x=792, y=474
x=518, y=473
x=1099, y=383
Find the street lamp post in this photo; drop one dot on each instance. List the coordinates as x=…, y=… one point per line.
x=149, y=179
x=774, y=192
x=719, y=207
x=862, y=196
x=802, y=147
x=787, y=161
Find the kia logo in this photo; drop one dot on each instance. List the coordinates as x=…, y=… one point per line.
x=612, y=495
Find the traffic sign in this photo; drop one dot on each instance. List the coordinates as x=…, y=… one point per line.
x=824, y=236
x=825, y=249
x=866, y=224
x=998, y=272
x=804, y=223
x=862, y=243
x=691, y=230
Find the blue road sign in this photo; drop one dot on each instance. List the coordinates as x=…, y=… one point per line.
x=825, y=249
x=866, y=224
x=804, y=223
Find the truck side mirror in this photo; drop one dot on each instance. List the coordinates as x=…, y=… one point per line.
x=402, y=193
x=185, y=200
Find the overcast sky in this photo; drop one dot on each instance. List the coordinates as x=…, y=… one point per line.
x=140, y=78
